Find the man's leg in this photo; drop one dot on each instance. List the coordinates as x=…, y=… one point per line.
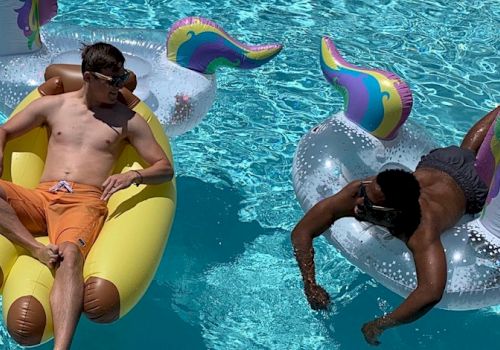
x=66, y=298
x=14, y=230
x=475, y=136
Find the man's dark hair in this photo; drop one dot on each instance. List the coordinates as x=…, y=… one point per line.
x=99, y=56
x=402, y=191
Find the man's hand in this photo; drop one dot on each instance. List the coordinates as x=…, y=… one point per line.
x=317, y=296
x=117, y=182
x=48, y=255
x=372, y=331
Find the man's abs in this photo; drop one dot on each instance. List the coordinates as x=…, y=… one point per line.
x=79, y=167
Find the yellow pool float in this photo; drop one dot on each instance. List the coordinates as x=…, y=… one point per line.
x=123, y=261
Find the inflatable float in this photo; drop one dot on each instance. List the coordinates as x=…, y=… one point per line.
x=116, y=272
x=369, y=136
x=171, y=69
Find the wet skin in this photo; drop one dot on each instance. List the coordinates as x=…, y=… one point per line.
x=442, y=204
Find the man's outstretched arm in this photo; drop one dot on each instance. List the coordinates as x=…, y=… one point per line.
x=317, y=220
x=430, y=264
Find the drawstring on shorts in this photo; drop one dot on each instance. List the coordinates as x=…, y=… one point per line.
x=62, y=184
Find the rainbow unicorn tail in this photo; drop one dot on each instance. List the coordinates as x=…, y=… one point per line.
x=378, y=101
x=201, y=45
x=21, y=22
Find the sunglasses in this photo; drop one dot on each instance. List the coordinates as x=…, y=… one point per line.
x=376, y=214
x=116, y=81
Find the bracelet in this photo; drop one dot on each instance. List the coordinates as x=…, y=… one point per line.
x=140, y=177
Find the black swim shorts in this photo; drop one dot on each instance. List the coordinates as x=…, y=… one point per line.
x=459, y=164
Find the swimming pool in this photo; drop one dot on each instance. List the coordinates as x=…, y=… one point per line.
x=228, y=279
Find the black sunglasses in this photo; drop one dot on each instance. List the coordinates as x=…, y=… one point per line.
x=116, y=81
x=376, y=214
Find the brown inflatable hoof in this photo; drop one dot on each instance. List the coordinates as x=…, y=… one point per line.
x=26, y=321
x=101, y=300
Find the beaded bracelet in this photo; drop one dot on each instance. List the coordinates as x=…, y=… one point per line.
x=140, y=177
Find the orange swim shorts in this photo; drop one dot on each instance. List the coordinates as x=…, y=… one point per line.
x=65, y=211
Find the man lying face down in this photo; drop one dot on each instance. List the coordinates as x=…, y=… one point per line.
x=416, y=208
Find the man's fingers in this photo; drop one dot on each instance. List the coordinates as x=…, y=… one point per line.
x=107, y=186
x=114, y=188
x=113, y=184
x=53, y=247
x=106, y=182
x=371, y=335
x=107, y=189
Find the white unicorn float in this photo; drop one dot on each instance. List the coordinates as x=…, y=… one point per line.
x=178, y=69
x=370, y=136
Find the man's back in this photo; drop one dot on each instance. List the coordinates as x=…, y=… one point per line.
x=442, y=202
x=84, y=142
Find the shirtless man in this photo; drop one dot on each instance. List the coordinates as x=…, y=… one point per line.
x=416, y=208
x=88, y=130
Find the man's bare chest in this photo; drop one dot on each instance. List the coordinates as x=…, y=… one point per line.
x=85, y=133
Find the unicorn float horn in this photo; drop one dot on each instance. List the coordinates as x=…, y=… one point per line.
x=377, y=101
x=201, y=45
x=20, y=21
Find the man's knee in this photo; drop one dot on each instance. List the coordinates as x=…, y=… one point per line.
x=72, y=257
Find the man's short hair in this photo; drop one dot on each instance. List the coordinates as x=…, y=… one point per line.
x=402, y=192
x=99, y=56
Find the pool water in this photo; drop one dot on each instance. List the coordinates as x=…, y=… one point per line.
x=228, y=279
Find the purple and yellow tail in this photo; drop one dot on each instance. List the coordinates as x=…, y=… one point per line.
x=201, y=45
x=376, y=100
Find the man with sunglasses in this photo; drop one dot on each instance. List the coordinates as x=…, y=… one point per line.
x=416, y=208
x=88, y=130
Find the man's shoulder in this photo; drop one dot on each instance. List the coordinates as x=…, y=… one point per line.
x=57, y=100
x=46, y=104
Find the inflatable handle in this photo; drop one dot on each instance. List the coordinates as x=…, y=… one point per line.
x=378, y=101
x=201, y=45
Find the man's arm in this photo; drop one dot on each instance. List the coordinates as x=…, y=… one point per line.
x=430, y=264
x=317, y=220
x=32, y=116
x=476, y=134
x=159, y=170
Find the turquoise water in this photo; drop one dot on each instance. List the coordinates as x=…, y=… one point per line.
x=228, y=279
